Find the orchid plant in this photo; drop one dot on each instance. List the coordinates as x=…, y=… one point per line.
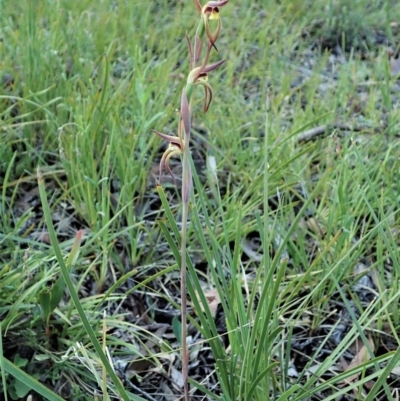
x=178, y=145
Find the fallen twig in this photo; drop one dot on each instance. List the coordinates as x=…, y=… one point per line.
x=315, y=132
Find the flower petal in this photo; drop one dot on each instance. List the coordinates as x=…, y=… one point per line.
x=164, y=162
x=216, y=3
x=211, y=38
x=213, y=66
x=168, y=168
x=174, y=140
x=208, y=95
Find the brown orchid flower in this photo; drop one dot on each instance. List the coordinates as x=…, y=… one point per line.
x=210, y=11
x=175, y=147
x=199, y=75
x=176, y=144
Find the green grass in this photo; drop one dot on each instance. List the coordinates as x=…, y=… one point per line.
x=299, y=239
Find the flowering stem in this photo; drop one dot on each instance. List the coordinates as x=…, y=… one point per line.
x=186, y=191
x=180, y=144
x=185, y=351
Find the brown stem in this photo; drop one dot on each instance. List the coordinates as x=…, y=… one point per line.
x=186, y=191
x=185, y=351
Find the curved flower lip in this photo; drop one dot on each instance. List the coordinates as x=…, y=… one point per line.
x=171, y=151
x=175, y=147
x=214, y=13
x=176, y=144
x=208, y=93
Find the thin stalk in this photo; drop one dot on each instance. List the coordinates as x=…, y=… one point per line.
x=180, y=145
x=185, y=351
x=186, y=191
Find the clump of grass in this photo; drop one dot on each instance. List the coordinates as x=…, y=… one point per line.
x=355, y=25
